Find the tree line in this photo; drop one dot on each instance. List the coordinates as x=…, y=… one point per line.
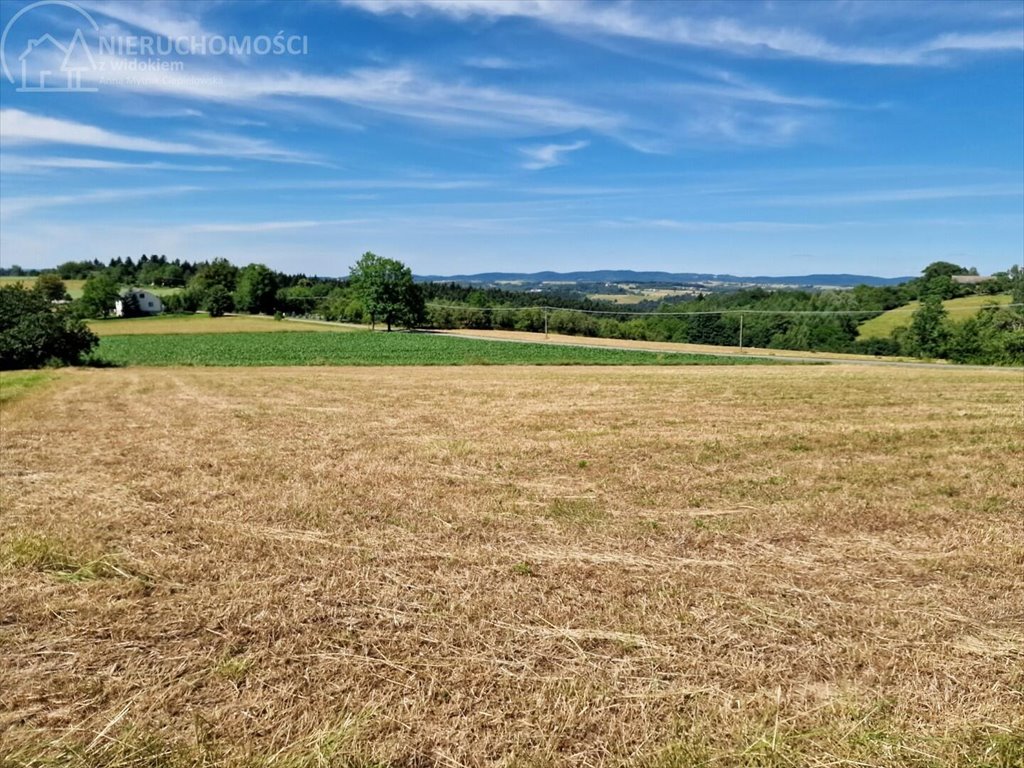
x=382, y=290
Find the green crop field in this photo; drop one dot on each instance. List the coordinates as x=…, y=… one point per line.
x=368, y=348
x=959, y=309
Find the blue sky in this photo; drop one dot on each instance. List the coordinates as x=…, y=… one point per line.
x=464, y=136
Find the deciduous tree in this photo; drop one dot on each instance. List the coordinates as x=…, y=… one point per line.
x=218, y=301
x=387, y=290
x=99, y=294
x=929, y=331
x=257, y=289
x=51, y=286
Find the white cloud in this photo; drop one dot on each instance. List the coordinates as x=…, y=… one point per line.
x=18, y=128
x=22, y=164
x=399, y=91
x=549, y=155
x=732, y=35
x=907, y=195
x=725, y=125
x=152, y=16
x=429, y=184
x=17, y=206
x=717, y=226
x=255, y=226
x=728, y=86
x=491, y=62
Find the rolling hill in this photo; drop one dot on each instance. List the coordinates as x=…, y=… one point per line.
x=959, y=309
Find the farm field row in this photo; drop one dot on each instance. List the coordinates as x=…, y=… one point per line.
x=306, y=347
x=959, y=310
x=74, y=287
x=637, y=298
x=203, y=323
x=667, y=346
x=662, y=567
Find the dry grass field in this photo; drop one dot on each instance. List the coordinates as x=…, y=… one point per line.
x=74, y=287
x=743, y=566
x=665, y=346
x=636, y=298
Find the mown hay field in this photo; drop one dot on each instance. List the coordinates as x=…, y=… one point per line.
x=203, y=323
x=74, y=287
x=741, y=566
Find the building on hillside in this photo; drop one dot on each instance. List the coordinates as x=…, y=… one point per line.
x=148, y=303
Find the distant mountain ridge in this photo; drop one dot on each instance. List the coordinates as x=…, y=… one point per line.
x=632, y=276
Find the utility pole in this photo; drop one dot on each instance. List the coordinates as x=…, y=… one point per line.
x=545, y=322
x=741, y=331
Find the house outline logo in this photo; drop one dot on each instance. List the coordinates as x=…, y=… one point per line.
x=76, y=57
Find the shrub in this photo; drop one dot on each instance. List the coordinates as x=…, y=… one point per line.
x=34, y=332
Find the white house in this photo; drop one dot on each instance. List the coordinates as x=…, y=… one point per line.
x=149, y=303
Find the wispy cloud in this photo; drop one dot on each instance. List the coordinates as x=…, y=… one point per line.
x=261, y=226
x=721, y=124
x=580, y=190
x=722, y=33
x=153, y=16
x=418, y=184
x=491, y=62
x=684, y=225
x=724, y=85
x=908, y=195
x=549, y=155
x=400, y=91
x=723, y=107
x=17, y=206
x=20, y=128
x=22, y=164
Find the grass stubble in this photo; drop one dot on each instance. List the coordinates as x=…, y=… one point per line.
x=513, y=566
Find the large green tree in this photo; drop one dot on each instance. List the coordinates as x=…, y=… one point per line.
x=99, y=294
x=1016, y=279
x=217, y=301
x=218, y=272
x=51, y=286
x=257, y=289
x=942, y=269
x=929, y=331
x=387, y=290
x=35, y=332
